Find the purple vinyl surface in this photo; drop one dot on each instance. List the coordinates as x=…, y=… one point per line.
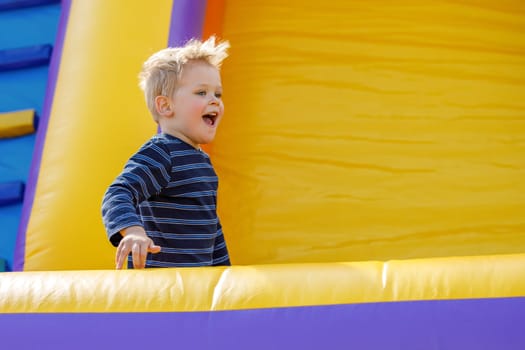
x=187, y=20
x=447, y=324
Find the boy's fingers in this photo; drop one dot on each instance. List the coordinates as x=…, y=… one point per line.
x=154, y=248
x=122, y=257
x=120, y=262
x=138, y=249
x=122, y=253
x=143, y=255
x=138, y=256
x=135, y=255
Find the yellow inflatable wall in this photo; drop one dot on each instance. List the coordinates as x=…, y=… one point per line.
x=358, y=130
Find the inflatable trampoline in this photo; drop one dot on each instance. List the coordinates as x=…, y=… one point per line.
x=372, y=180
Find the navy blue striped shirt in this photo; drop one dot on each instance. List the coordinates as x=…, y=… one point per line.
x=169, y=188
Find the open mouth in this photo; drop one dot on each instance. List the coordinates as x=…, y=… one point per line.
x=210, y=118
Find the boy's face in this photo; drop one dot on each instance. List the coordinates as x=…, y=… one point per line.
x=196, y=104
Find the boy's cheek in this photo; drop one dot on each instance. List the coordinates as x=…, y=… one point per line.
x=196, y=108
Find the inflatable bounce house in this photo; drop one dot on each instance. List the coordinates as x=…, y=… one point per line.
x=371, y=164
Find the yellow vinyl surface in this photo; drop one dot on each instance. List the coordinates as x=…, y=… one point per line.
x=264, y=286
x=17, y=123
x=372, y=130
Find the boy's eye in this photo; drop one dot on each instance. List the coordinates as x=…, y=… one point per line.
x=201, y=93
x=218, y=94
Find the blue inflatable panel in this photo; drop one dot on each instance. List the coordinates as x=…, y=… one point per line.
x=25, y=57
x=11, y=192
x=18, y=4
x=25, y=25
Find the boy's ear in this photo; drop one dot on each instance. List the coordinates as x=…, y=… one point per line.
x=163, y=106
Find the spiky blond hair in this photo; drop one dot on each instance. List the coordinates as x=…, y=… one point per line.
x=162, y=71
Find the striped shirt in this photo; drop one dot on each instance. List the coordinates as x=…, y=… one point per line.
x=169, y=188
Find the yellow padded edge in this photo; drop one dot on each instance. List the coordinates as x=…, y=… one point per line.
x=17, y=123
x=264, y=286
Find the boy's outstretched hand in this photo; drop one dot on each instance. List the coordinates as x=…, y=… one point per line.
x=136, y=242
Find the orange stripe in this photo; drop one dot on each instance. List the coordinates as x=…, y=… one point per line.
x=213, y=19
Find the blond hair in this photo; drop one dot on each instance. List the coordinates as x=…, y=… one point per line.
x=161, y=72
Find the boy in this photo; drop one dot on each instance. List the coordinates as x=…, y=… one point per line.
x=162, y=207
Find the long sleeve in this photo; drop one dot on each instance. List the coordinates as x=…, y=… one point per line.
x=220, y=251
x=144, y=175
